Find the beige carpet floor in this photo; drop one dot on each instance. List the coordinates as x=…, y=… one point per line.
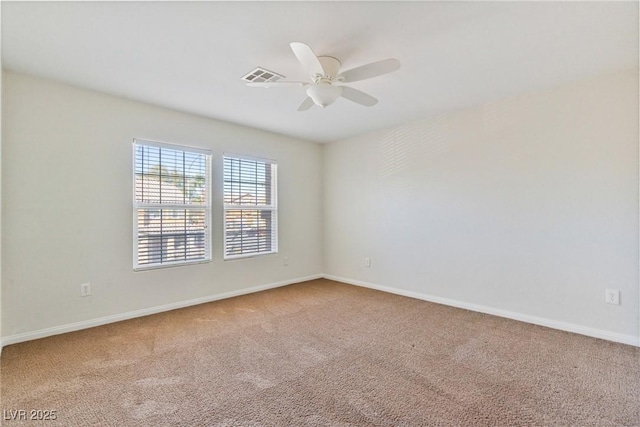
x=322, y=353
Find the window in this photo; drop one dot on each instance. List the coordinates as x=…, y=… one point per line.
x=171, y=205
x=250, y=207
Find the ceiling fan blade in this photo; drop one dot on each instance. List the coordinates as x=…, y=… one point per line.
x=358, y=96
x=306, y=104
x=368, y=71
x=307, y=58
x=276, y=84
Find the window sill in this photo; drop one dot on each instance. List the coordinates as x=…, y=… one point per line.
x=247, y=256
x=170, y=265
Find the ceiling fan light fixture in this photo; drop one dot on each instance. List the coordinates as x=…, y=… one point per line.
x=324, y=94
x=324, y=72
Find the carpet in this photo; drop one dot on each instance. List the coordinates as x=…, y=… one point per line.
x=320, y=353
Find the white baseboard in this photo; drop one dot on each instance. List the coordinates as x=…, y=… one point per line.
x=70, y=327
x=554, y=324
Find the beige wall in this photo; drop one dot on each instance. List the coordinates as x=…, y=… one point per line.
x=67, y=200
x=527, y=207
x=1, y=127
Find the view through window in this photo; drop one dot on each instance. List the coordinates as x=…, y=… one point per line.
x=250, y=207
x=171, y=204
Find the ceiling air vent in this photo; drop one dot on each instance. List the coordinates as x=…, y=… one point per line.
x=260, y=75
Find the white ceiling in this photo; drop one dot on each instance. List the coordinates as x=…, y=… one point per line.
x=190, y=55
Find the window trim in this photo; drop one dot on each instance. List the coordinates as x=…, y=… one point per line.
x=208, y=257
x=273, y=208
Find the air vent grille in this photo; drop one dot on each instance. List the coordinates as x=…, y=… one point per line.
x=260, y=75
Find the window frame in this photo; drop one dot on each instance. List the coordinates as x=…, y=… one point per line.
x=208, y=256
x=273, y=207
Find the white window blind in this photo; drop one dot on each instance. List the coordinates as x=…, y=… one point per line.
x=250, y=207
x=171, y=205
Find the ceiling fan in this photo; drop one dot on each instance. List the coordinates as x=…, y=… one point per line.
x=325, y=75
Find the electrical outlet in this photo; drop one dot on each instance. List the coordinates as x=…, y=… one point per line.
x=612, y=296
x=367, y=262
x=285, y=260
x=85, y=289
